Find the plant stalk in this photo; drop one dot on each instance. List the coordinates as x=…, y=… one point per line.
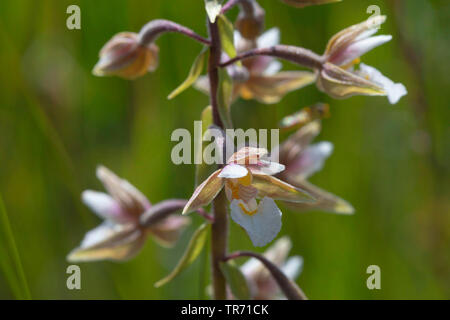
x=155, y=28
x=219, y=230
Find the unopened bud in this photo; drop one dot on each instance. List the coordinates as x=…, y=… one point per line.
x=250, y=21
x=126, y=57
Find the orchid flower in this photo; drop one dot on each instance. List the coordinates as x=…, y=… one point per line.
x=301, y=160
x=261, y=284
x=247, y=176
x=126, y=57
x=260, y=77
x=338, y=76
x=121, y=235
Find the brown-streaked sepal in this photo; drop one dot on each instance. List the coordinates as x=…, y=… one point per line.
x=340, y=84
x=126, y=57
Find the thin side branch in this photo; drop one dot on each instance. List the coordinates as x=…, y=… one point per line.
x=288, y=287
x=163, y=209
x=152, y=30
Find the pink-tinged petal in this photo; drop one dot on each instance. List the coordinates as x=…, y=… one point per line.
x=324, y=200
x=269, y=38
x=263, y=226
x=273, y=68
x=293, y=267
x=205, y=192
x=263, y=285
x=247, y=155
x=357, y=32
x=269, y=186
x=292, y=148
x=109, y=242
x=233, y=171
x=310, y=160
x=202, y=84
x=105, y=206
x=167, y=232
x=358, y=48
x=271, y=89
x=393, y=90
x=129, y=198
x=266, y=167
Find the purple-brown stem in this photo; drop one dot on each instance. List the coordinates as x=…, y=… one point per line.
x=163, y=209
x=298, y=55
x=219, y=230
x=152, y=30
x=288, y=287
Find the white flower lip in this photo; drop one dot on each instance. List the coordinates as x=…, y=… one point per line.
x=263, y=226
x=233, y=171
x=102, y=204
x=393, y=90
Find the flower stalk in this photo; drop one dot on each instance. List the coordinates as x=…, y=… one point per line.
x=155, y=28
x=297, y=55
x=219, y=230
x=289, y=288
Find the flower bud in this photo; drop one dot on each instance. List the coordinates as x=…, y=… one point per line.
x=250, y=21
x=126, y=57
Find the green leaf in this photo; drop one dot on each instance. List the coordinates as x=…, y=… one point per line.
x=224, y=96
x=193, y=250
x=194, y=73
x=213, y=8
x=226, y=31
x=10, y=258
x=203, y=170
x=236, y=280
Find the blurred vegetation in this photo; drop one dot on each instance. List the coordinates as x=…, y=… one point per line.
x=58, y=122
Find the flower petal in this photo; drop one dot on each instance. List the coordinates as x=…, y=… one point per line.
x=273, y=68
x=263, y=226
x=358, y=48
x=270, y=89
x=292, y=148
x=269, y=38
x=129, y=198
x=109, y=242
x=357, y=32
x=394, y=90
x=310, y=160
x=293, y=267
x=325, y=200
x=269, y=186
x=205, y=192
x=202, y=84
x=105, y=206
x=233, y=171
x=340, y=84
x=168, y=231
x=277, y=253
x=266, y=167
x=247, y=155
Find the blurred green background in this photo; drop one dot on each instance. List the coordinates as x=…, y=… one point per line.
x=58, y=122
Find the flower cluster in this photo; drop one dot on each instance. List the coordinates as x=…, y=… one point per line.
x=244, y=62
